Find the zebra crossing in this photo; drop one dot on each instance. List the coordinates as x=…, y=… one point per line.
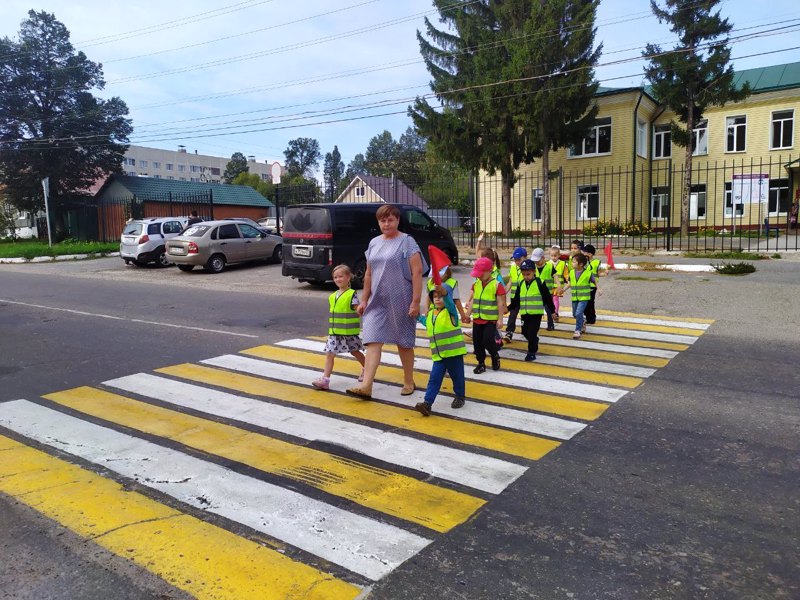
x=232, y=477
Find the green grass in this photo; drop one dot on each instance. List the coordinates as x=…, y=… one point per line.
x=638, y=278
x=32, y=248
x=741, y=268
x=729, y=255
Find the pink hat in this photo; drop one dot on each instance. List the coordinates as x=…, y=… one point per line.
x=482, y=265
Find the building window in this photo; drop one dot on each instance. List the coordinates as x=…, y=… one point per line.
x=588, y=202
x=697, y=201
x=641, y=138
x=597, y=142
x=156, y=165
x=182, y=178
x=782, y=130
x=194, y=179
x=169, y=166
x=182, y=168
x=265, y=177
x=700, y=138
x=778, y=202
x=170, y=177
x=195, y=169
x=361, y=191
x=736, y=128
x=132, y=173
x=143, y=164
x=536, y=204
x=659, y=203
x=129, y=162
x=662, y=141
x=729, y=202
x=214, y=171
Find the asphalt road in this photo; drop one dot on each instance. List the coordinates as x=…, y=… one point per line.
x=686, y=488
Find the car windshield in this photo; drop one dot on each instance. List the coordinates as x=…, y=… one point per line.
x=132, y=229
x=243, y=220
x=196, y=231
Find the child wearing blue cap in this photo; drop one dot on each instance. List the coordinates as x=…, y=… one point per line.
x=512, y=281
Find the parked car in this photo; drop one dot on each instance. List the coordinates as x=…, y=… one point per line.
x=270, y=224
x=144, y=240
x=214, y=244
x=321, y=236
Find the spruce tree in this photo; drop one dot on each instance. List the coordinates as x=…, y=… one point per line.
x=695, y=75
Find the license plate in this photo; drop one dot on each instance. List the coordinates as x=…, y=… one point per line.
x=301, y=251
x=177, y=250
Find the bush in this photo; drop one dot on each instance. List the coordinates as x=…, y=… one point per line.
x=634, y=228
x=741, y=268
x=602, y=227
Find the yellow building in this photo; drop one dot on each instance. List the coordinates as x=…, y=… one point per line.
x=746, y=165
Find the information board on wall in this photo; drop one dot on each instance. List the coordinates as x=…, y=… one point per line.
x=751, y=188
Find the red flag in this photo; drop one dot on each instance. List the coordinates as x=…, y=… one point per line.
x=609, y=257
x=439, y=260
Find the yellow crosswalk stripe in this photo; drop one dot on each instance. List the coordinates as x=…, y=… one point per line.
x=473, y=434
x=640, y=327
x=435, y=507
x=204, y=560
x=596, y=335
x=625, y=381
x=579, y=352
x=586, y=410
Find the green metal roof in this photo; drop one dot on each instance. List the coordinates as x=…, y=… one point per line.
x=767, y=79
x=157, y=189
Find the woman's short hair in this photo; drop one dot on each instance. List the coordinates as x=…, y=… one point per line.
x=387, y=210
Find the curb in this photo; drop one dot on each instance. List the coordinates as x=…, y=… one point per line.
x=62, y=257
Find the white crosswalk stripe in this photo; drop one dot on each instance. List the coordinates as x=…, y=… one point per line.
x=466, y=468
x=533, y=382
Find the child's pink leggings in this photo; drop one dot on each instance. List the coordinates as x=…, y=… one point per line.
x=555, y=302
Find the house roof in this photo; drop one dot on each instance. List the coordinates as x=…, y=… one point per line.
x=389, y=190
x=159, y=189
x=767, y=79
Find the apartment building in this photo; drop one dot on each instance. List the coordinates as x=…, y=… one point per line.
x=745, y=166
x=181, y=165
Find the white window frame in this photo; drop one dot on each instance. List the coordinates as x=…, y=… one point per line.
x=661, y=193
x=182, y=169
x=156, y=164
x=641, y=138
x=594, y=133
x=729, y=202
x=142, y=164
x=170, y=167
x=732, y=127
x=129, y=162
x=360, y=191
x=663, y=134
x=700, y=139
x=783, y=122
x=583, y=193
x=536, y=204
x=695, y=195
x=195, y=169
x=775, y=185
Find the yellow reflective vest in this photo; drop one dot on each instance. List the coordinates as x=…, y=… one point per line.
x=484, y=300
x=342, y=317
x=530, y=298
x=446, y=338
x=581, y=288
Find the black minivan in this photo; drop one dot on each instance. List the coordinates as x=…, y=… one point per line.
x=317, y=237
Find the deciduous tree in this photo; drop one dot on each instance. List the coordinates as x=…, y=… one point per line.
x=696, y=74
x=302, y=157
x=51, y=125
x=235, y=167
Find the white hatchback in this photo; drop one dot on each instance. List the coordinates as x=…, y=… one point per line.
x=144, y=240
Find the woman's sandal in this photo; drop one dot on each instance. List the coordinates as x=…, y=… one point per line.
x=407, y=390
x=359, y=393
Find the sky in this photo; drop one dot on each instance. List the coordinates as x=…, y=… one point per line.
x=225, y=76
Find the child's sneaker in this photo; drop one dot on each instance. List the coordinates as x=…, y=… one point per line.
x=424, y=408
x=458, y=402
x=576, y=335
x=583, y=329
x=509, y=337
x=530, y=356
x=479, y=369
x=555, y=317
x=323, y=383
x=551, y=328
x=361, y=377
x=495, y=363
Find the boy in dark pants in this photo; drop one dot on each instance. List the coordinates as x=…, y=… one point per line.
x=532, y=301
x=486, y=306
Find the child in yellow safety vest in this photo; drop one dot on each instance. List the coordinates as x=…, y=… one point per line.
x=512, y=281
x=344, y=326
x=545, y=272
x=448, y=280
x=580, y=280
x=532, y=301
x=447, y=348
x=594, y=266
x=559, y=270
x=486, y=306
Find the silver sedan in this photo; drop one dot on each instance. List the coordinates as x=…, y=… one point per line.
x=214, y=244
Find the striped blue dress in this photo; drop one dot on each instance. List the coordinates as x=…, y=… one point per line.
x=386, y=319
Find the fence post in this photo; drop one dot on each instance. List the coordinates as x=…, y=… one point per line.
x=671, y=205
x=211, y=202
x=561, y=206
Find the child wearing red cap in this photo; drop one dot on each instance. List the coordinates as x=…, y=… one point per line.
x=486, y=306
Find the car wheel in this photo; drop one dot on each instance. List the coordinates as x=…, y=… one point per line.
x=163, y=259
x=186, y=268
x=358, y=274
x=216, y=263
x=277, y=255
